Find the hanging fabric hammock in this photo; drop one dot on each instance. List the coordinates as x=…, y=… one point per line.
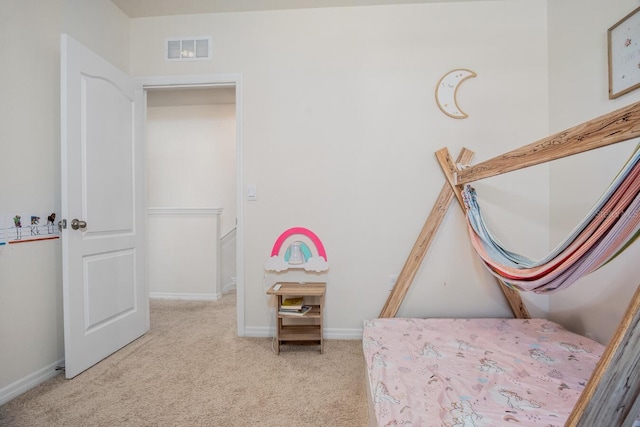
x=611, y=226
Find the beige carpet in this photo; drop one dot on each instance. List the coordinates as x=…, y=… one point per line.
x=191, y=369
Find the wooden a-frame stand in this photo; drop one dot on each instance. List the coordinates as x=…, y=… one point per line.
x=612, y=395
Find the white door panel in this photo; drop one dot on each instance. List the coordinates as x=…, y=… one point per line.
x=105, y=297
x=108, y=118
x=109, y=287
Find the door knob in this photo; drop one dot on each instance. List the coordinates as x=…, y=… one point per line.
x=76, y=224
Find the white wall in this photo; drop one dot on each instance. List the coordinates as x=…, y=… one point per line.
x=578, y=91
x=191, y=158
x=339, y=131
x=183, y=254
x=30, y=289
x=100, y=26
x=190, y=164
x=31, y=328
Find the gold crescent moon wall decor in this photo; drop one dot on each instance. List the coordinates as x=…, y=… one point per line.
x=447, y=90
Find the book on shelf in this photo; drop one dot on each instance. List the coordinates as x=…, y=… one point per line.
x=293, y=303
x=297, y=312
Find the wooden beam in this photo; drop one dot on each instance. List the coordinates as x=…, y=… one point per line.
x=612, y=394
x=617, y=126
x=449, y=169
x=635, y=409
x=518, y=307
x=411, y=266
x=514, y=299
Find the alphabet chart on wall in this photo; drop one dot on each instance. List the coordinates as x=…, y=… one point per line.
x=27, y=227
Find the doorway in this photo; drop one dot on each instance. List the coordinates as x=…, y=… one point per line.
x=194, y=203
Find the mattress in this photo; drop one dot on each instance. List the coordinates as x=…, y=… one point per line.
x=475, y=372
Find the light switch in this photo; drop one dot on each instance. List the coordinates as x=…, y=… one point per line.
x=251, y=193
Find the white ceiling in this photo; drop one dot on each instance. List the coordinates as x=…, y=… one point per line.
x=146, y=8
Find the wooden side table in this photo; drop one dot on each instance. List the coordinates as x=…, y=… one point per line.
x=307, y=327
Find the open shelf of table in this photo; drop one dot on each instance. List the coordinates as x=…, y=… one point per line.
x=306, y=327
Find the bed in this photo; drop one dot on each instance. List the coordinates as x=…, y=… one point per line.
x=494, y=372
x=474, y=372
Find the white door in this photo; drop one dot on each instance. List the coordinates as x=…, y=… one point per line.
x=106, y=303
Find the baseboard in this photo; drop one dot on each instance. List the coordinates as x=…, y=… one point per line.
x=258, y=332
x=22, y=385
x=229, y=287
x=183, y=296
x=329, y=334
x=342, y=334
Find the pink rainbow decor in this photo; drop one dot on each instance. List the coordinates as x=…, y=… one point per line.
x=303, y=245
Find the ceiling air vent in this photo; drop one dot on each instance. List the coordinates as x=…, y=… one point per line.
x=188, y=48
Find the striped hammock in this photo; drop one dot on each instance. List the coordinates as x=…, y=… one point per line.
x=611, y=226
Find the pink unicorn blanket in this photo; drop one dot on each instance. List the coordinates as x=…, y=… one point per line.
x=475, y=372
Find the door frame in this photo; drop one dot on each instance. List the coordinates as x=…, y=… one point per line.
x=208, y=81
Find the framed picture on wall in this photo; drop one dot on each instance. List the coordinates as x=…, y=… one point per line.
x=624, y=55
